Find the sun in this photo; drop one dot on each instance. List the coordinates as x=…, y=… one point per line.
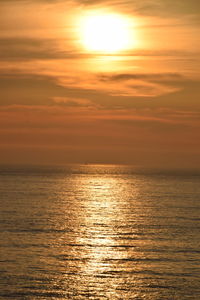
x=105, y=33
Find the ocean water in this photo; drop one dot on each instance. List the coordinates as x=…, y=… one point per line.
x=99, y=232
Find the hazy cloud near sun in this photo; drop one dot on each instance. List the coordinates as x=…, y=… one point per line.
x=143, y=7
x=23, y=49
x=28, y=49
x=149, y=7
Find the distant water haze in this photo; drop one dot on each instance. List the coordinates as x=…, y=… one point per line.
x=99, y=232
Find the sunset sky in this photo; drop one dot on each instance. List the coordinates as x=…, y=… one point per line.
x=67, y=99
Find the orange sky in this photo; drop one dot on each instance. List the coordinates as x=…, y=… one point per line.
x=63, y=103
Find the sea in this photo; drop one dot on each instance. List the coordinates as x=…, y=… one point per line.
x=99, y=232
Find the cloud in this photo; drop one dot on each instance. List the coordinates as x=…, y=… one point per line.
x=74, y=102
x=153, y=6
x=128, y=85
x=34, y=89
x=79, y=134
x=148, y=7
x=58, y=116
x=155, y=77
x=145, y=7
x=29, y=49
x=114, y=91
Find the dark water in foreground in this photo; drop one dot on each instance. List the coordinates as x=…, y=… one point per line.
x=99, y=232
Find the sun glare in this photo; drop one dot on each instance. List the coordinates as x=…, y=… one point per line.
x=106, y=33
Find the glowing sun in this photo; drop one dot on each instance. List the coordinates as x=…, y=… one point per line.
x=106, y=33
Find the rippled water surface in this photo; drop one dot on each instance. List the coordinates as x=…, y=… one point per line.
x=99, y=232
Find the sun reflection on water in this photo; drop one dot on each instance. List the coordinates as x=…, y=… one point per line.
x=103, y=213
